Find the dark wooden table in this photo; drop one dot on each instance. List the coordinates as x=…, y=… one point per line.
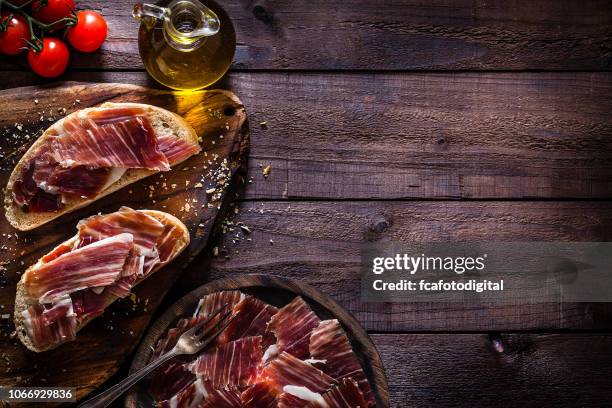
x=419, y=121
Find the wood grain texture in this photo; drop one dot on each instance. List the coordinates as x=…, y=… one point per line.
x=514, y=370
x=320, y=242
x=398, y=35
x=276, y=291
x=104, y=344
x=434, y=135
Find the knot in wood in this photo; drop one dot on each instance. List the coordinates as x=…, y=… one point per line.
x=261, y=13
x=497, y=342
x=379, y=224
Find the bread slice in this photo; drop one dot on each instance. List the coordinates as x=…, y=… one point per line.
x=162, y=121
x=23, y=301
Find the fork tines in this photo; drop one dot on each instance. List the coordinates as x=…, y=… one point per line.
x=205, y=337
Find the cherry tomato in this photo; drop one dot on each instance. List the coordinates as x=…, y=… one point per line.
x=13, y=40
x=52, y=60
x=50, y=11
x=89, y=32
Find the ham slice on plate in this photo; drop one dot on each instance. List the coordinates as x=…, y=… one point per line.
x=250, y=317
x=286, y=400
x=287, y=370
x=325, y=373
x=215, y=301
x=98, y=264
x=211, y=303
x=330, y=344
x=232, y=365
x=262, y=394
x=170, y=379
x=201, y=394
x=166, y=343
x=344, y=395
x=292, y=326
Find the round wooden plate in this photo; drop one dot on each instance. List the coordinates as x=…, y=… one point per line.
x=275, y=291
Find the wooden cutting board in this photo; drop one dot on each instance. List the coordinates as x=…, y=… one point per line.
x=219, y=119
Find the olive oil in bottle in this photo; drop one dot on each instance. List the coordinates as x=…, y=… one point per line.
x=185, y=44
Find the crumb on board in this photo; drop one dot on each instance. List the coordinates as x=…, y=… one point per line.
x=267, y=170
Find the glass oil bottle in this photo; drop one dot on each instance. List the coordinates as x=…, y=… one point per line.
x=185, y=44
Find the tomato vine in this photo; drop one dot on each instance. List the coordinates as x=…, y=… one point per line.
x=35, y=41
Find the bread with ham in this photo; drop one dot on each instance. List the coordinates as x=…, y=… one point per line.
x=91, y=153
x=78, y=279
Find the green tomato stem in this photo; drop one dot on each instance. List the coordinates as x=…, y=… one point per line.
x=35, y=41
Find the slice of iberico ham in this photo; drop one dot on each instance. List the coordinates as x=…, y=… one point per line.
x=132, y=270
x=50, y=325
x=287, y=400
x=170, y=379
x=145, y=229
x=88, y=304
x=329, y=344
x=201, y=394
x=232, y=365
x=287, y=370
x=166, y=244
x=262, y=394
x=117, y=137
x=344, y=395
x=175, y=149
x=90, y=152
x=250, y=317
x=95, y=265
x=225, y=300
x=292, y=326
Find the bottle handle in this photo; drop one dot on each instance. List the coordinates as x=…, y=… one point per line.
x=142, y=10
x=210, y=23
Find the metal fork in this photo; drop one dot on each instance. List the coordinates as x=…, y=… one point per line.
x=190, y=342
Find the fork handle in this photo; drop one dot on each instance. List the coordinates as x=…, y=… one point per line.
x=105, y=398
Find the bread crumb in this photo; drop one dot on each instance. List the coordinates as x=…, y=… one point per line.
x=267, y=170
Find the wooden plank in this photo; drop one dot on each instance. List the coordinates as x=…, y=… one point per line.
x=320, y=243
x=502, y=135
x=524, y=370
x=410, y=136
x=406, y=34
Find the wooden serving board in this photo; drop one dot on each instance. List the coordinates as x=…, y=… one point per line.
x=219, y=119
x=275, y=291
